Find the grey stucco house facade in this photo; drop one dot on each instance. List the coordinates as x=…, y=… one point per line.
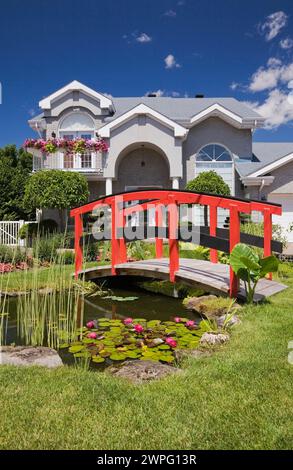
x=162, y=142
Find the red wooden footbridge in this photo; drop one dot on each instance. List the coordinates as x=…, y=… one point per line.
x=165, y=206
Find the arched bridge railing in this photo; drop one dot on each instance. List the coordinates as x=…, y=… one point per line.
x=165, y=206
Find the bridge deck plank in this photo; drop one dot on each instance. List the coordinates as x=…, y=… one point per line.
x=214, y=277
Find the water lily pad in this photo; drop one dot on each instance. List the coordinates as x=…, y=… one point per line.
x=163, y=346
x=167, y=358
x=63, y=345
x=83, y=354
x=76, y=348
x=98, y=359
x=118, y=356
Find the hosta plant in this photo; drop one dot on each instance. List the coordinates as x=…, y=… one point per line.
x=250, y=267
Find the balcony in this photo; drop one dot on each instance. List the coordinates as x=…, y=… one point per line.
x=86, y=162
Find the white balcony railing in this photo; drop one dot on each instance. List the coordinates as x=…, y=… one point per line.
x=88, y=162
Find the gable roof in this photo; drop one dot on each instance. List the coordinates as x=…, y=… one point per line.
x=184, y=109
x=267, y=156
x=46, y=103
x=179, y=131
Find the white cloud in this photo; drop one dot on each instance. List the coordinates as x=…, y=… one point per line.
x=267, y=78
x=286, y=43
x=170, y=62
x=273, y=25
x=143, y=38
x=234, y=86
x=170, y=13
x=159, y=93
x=276, y=109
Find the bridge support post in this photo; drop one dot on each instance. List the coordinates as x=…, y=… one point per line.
x=78, y=226
x=115, y=258
x=173, y=240
x=234, y=239
x=268, y=228
x=213, y=232
x=159, y=223
x=122, y=243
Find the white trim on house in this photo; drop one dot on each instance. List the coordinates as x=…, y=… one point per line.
x=142, y=109
x=105, y=102
x=257, y=181
x=217, y=110
x=273, y=166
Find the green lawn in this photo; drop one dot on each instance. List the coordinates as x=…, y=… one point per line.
x=239, y=398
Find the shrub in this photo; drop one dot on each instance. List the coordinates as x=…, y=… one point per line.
x=12, y=255
x=67, y=257
x=45, y=249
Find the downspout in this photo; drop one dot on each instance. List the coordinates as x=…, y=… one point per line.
x=261, y=188
x=38, y=131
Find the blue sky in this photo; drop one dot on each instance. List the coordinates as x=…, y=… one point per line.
x=130, y=47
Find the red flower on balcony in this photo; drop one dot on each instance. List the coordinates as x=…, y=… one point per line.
x=68, y=146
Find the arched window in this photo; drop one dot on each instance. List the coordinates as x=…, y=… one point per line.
x=76, y=125
x=214, y=153
x=218, y=158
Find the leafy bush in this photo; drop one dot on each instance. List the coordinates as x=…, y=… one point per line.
x=56, y=189
x=66, y=257
x=209, y=182
x=9, y=254
x=45, y=249
x=250, y=268
x=254, y=228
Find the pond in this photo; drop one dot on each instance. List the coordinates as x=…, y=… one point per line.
x=112, y=336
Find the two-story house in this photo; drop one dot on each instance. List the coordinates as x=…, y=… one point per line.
x=162, y=142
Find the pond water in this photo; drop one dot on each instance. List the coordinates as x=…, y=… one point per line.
x=147, y=306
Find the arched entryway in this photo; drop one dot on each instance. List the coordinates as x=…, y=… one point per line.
x=142, y=167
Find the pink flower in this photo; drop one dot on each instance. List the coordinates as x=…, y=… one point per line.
x=128, y=321
x=90, y=324
x=92, y=335
x=171, y=342
x=177, y=319
x=138, y=328
x=190, y=323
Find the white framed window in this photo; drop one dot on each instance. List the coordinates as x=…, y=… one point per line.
x=218, y=158
x=73, y=126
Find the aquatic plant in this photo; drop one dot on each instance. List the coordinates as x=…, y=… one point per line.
x=107, y=340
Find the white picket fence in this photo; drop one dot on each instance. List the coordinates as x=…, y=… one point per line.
x=9, y=232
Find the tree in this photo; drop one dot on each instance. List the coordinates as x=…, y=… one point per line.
x=208, y=182
x=56, y=189
x=15, y=169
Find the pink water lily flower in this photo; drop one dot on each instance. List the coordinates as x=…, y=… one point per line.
x=171, y=342
x=92, y=335
x=138, y=328
x=128, y=321
x=177, y=319
x=90, y=324
x=190, y=323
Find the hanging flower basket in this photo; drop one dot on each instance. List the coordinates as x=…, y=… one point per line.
x=66, y=146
